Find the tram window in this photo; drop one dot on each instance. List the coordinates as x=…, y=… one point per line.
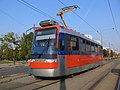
x=96, y=49
x=62, y=45
x=72, y=43
x=92, y=48
x=84, y=41
x=83, y=45
x=99, y=48
x=80, y=42
x=62, y=42
x=88, y=48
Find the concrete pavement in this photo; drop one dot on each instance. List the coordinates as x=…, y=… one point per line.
x=12, y=76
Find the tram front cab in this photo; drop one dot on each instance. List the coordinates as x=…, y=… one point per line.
x=44, y=50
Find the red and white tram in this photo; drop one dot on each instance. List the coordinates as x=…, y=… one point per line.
x=59, y=51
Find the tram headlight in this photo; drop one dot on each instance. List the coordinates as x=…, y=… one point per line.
x=50, y=60
x=45, y=60
x=33, y=60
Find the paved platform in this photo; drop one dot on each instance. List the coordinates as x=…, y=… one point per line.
x=12, y=65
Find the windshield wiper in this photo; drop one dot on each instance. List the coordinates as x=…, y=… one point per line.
x=44, y=49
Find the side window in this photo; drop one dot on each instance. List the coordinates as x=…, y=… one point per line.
x=82, y=44
x=100, y=48
x=72, y=43
x=88, y=48
x=92, y=47
x=96, y=49
x=61, y=42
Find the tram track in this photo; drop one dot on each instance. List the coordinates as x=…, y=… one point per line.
x=43, y=83
x=103, y=76
x=118, y=82
x=46, y=83
x=40, y=84
x=6, y=72
x=19, y=87
x=93, y=86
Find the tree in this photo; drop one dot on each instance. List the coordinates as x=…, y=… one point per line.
x=7, y=44
x=105, y=53
x=111, y=53
x=25, y=46
x=22, y=45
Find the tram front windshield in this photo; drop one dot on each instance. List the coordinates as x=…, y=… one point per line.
x=44, y=44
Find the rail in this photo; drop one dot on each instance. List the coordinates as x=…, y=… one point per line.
x=103, y=76
x=118, y=83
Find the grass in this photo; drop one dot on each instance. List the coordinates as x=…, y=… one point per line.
x=8, y=62
x=5, y=61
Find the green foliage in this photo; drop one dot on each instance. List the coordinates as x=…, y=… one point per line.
x=11, y=44
x=5, y=61
x=105, y=53
x=110, y=53
x=25, y=46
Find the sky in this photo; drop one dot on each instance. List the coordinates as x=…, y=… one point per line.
x=16, y=17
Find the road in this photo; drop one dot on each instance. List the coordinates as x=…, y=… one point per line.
x=99, y=78
x=12, y=70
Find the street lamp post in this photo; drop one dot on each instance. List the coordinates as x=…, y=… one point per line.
x=30, y=29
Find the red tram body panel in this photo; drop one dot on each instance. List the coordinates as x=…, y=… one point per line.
x=43, y=65
x=81, y=60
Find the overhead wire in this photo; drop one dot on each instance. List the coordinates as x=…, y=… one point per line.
x=11, y=17
x=36, y=9
x=81, y=18
x=92, y=26
x=117, y=32
x=113, y=19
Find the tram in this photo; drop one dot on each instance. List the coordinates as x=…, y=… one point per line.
x=59, y=51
